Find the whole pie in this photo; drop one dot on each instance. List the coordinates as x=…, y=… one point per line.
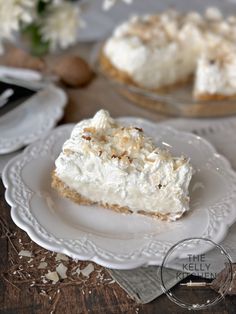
x=161, y=51
x=119, y=167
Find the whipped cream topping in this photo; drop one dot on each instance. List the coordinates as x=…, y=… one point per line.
x=213, y=14
x=216, y=71
x=109, y=163
x=160, y=50
x=102, y=120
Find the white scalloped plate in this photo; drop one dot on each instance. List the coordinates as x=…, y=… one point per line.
x=111, y=239
x=31, y=120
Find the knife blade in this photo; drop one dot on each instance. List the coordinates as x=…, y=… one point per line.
x=15, y=95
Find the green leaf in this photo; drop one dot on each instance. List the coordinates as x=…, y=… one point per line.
x=38, y=46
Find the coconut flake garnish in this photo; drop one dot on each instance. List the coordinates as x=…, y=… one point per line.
x=61, y=257
x=25, y=253
x=53, y=276
x=42, y=265
x=61, y=270
x=87, y=270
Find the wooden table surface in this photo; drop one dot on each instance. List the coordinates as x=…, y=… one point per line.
x=91, y=297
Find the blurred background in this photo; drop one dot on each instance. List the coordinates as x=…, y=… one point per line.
x=100, y=22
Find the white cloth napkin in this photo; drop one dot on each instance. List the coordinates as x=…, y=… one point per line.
x=20, y=74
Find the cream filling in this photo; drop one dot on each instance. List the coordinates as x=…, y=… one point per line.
x=213, y=77
x=104, y=182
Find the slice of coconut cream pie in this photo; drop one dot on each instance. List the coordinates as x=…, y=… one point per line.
x=118, y=167
x=216, y=73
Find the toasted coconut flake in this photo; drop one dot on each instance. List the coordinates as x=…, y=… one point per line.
x=87, y=270
x=87, y=138
x=25, y=253
x=53, y=276
x=90, y=130
x=61, y=257
x=61, y=270
x=42, y=265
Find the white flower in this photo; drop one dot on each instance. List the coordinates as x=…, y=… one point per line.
x=107, y=4
x=60, y=25
x=12, y=14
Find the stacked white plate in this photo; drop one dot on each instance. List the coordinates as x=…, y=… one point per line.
x=30, y=121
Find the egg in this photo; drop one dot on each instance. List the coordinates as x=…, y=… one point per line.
x=73, y=71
